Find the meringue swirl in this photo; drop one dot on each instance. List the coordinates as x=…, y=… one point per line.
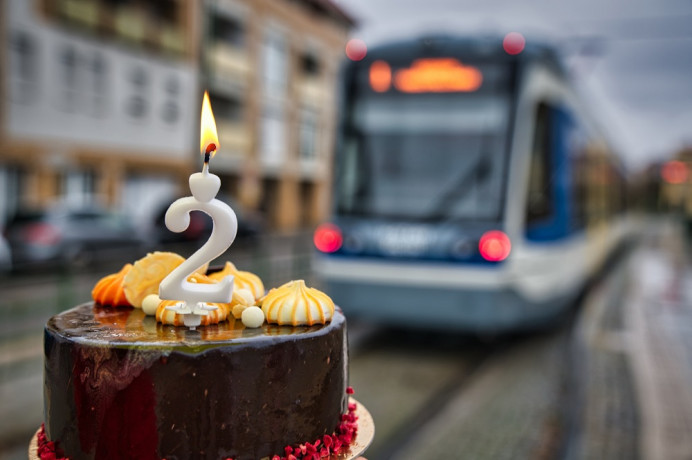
x=242, y=279
x=298, y=305
x=109, y=289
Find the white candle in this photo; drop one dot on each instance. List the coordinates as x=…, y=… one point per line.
x=204, y=187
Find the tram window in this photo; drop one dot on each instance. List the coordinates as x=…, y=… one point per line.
x=579, y=189
x=539, y=200
x=428, y=156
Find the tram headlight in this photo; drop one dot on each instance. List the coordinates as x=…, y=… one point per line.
x=494, y=246
x=328, y=238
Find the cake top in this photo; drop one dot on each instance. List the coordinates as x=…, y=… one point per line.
x=127, y=328
x=137, y=284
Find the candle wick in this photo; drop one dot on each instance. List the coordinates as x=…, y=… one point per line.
x=211, y=147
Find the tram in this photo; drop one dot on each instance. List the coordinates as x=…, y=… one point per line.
x=472, y=190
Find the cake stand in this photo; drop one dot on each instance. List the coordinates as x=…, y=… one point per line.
x=364, y=436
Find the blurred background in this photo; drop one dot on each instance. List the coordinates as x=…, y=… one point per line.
x=497, y=195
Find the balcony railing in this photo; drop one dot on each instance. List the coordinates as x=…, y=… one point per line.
x=235, y=138
x=129, y=23
x=311, y=90
x=226, y=60
x=82, y=12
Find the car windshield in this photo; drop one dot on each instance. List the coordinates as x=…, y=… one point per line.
x=428, y=155
x=96, y=218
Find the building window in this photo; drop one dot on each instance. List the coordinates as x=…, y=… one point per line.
x=309, y=134
x=310, y=65
x=136, y=104
x=274, y=65
x=78, y=187
x=227, y=30
x=23, y=67
x=273, y=136
x=68, y=63
x=274, y=84
x=170, y=112
x=99, y=83
x=164, y=11
x=227, y=108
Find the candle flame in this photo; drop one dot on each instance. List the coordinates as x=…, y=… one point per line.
x=209, y=139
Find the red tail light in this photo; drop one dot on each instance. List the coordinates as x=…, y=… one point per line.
x=328, y=238
x=494, y=246
x=514, y=43
x=42, y=234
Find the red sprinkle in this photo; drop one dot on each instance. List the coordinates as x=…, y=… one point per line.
x=48, y=450
x=331, y=444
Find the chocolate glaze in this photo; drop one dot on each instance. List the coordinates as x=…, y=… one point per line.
x=120, y=386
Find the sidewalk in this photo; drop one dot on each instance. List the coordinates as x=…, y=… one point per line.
x=659, y=319
x=635, y=338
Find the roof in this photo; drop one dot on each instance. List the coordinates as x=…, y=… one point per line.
x=332, y=10
x=478, y=45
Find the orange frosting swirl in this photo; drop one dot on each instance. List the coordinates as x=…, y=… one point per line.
x=241, y=279
x=109, y=289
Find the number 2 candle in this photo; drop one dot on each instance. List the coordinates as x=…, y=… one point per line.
x=204, y=186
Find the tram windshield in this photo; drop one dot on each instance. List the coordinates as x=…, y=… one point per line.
x=425, y=153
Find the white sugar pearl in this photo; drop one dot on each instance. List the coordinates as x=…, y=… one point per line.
x=247, y=296
x=253, y=317
x=150, y=304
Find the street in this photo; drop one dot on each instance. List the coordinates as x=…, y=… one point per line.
x=497, y=195
x=612, y=382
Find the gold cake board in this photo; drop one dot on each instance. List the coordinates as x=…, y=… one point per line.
x=364, y=436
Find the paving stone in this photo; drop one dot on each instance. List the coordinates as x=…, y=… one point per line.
x=396, y=382
x=510, y=411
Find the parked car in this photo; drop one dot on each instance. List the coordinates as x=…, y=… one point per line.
x=69, y=236
x=5, y=256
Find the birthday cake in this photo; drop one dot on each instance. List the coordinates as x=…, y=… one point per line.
x=121, y=384
x=174, y=361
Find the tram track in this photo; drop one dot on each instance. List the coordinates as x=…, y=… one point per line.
x=437, y=401
x=511, y=398
x=457, y=359
x=524, y=397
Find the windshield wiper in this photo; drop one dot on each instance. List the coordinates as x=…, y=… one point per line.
x=472, y=176
x=356, y=207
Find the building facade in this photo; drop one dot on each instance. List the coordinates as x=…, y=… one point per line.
x=101, y=102
x=271, y=68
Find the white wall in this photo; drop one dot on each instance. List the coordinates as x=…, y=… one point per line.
x=94, y=108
